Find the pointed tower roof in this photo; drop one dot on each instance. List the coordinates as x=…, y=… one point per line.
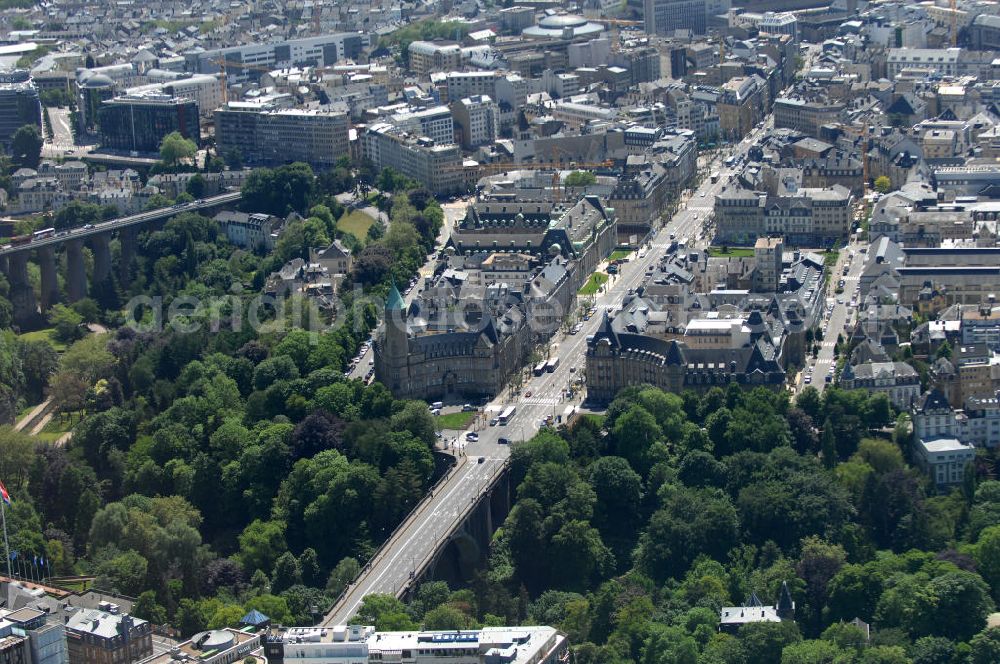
x=785, y=602
x=395, y=301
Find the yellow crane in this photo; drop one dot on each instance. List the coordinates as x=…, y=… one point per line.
x=223, y=77
x=954, y=23
x=614, y=24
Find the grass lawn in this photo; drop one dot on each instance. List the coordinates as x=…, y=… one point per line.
x=356, y=223
x=54, y=430
x=618, y=254
x=47, y=334
x=830, y=258
x=455, y=420
x=596, y=280
x=730, y=252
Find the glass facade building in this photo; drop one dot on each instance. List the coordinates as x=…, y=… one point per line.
x=138, y=124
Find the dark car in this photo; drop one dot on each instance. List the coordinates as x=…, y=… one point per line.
x=482, y=459
x=504, y=441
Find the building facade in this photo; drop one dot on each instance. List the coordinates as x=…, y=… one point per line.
x=19, y=105
x=99, y=637
x=437, y=167
x=270, y=136
x=139, y=123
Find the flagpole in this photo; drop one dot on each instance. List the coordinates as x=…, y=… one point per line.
x=6, y=543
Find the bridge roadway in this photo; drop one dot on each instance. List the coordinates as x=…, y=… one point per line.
x=427, y=528
x=112, y=225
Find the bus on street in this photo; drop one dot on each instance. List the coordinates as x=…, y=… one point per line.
x=506, y=415
x=552, y=364
x=539, y=368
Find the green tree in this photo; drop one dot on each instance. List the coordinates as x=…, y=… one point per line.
x=385, y=612
x=66, y=322
x=812, y=652
x=580, y=179
x=985, y=647
x=261, y=544
x=174, y=149
x=883, y=184
x=26, y=146
x=147, y=608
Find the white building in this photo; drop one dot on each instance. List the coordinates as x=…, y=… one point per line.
x=435, y=123
x=944, y=459
x=478, y=120
x=249, y=231
x=437, y=167
x=362, y=645
x=943, y=61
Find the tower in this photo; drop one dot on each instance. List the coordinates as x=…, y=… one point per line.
x=391, y=363
x=785, y=608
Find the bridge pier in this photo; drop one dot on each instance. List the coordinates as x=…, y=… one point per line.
x=101, y=246
x=76, y=273
x=49, y=273
x=126, y=240
x=22, y=297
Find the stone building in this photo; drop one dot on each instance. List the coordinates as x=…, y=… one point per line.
x=99, y=637
x=617, y=359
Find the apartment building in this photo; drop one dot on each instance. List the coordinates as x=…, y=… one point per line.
x=477, y=119
x=805, y=115
x=269, y=136
x=808, y=216
x=663, y=17
x=427, y=57
x=437, y=167
x=436, y=123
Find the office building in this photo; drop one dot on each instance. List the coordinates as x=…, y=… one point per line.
x=477, y=119
x=437, y=167
x=269, y=136
x=321, y=51
x=100, y=637
x=19, y=105
x=663, y=17
x=46, y=640
x=355, y=644
x=767, y=251
x=139, y=123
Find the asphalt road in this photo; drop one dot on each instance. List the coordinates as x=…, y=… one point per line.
x=481, y=461
x=833, y=324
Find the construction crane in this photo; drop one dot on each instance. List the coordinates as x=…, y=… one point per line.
x=224, y=79
x=614, y=24
x=954, y=23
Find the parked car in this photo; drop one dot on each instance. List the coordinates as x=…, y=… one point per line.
x=472, y=436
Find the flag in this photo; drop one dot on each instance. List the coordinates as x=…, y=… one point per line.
x=3, y=494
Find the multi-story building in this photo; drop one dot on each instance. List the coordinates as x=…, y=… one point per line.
x=204, y=90
x=459, y=84
x=898, y=380
x=807, y=216
x=427, y=57
x=13, y=648
x=437, y=167
x=99, y=637
x=806, y=116
x=477, y=119
x=266, y=135
x=138, y=123
x=939, y=439
x=741, y=106
x=940, y=61
x=436, y=123
x=255, y=231
x=663, y=17
x=46, y=639
x=320, y=51
x=768, y=253
x=618, y=358
x=19, y=105
x=360, y=645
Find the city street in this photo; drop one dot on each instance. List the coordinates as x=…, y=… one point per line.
x=428, y=526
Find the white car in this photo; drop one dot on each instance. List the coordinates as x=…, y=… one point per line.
x=472, y=436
